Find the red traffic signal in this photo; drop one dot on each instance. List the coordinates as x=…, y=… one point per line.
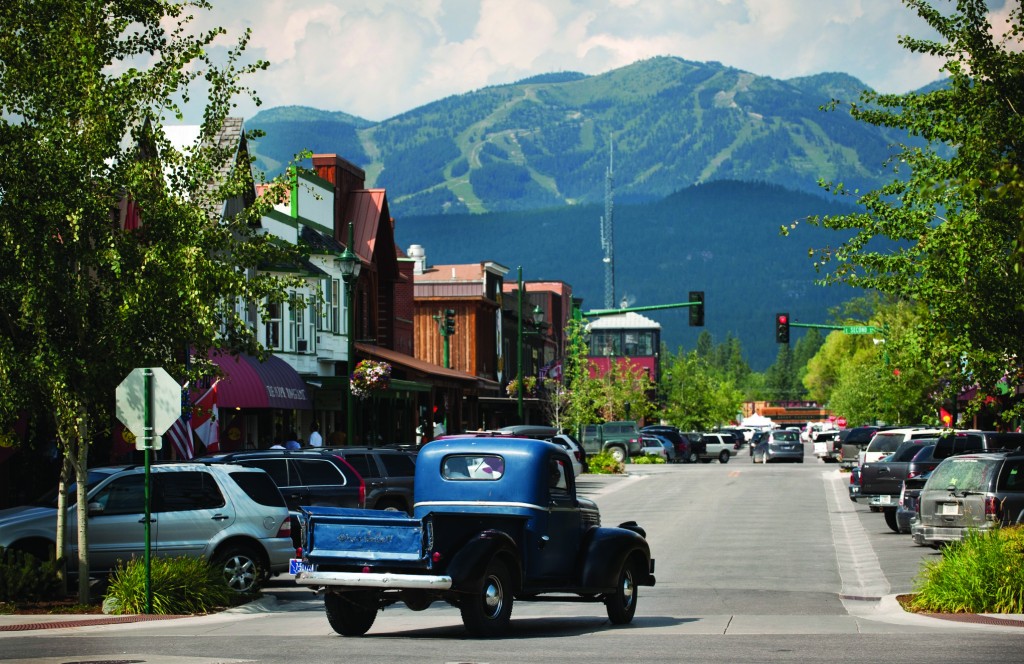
x=782, y=328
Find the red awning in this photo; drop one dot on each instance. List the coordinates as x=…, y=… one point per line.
x=249, y=383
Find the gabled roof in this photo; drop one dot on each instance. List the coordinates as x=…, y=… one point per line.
x=368, y=210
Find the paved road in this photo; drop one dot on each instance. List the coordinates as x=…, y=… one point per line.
x=754, y=564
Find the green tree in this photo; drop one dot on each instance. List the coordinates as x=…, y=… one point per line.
x=697, y=398
x=947, y=231
x=85, y=91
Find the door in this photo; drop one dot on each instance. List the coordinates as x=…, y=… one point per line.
x=191, y=510
x=117, y=527
x=559, y=553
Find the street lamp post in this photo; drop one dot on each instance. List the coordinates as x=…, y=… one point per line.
x=538, y=317
x=350, y=265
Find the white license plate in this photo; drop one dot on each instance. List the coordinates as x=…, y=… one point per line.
x=950, y=509
x=883, y=500
x=296, y=565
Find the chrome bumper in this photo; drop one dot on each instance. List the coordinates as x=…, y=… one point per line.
x=371, y=580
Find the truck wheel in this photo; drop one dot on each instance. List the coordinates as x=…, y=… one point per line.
x=621, y=603
x=890, y=519
x=352, y=613
x=618, y=454
x=723, y=456
x=488, y=610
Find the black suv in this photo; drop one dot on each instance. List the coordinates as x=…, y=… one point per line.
x=686, y=449
x=305, y=477
x=388, y=473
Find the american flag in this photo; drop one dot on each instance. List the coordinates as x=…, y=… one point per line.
x=180, y=435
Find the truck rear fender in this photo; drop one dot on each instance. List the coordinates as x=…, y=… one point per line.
x=606, y=549
x=469, y=564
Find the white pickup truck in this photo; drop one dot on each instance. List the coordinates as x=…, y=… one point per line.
x=717, y=446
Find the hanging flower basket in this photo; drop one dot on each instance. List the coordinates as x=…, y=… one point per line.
x=531, y=387
x=370, y=377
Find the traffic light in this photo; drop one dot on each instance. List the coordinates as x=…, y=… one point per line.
x=782, y=328
x=449, y=322
x=697, y=312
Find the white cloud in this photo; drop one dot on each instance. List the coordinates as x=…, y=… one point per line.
x=378, y=59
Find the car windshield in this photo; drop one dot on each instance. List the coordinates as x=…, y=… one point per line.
x=963, y=474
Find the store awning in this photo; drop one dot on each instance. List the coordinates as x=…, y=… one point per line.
x=415, y=365
x=249, y=383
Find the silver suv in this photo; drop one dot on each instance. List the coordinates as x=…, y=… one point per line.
x=229, y=514
x=970, y=492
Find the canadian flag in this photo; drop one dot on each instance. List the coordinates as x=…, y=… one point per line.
x=204, y=419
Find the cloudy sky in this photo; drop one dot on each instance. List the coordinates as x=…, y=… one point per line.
x=378, y=58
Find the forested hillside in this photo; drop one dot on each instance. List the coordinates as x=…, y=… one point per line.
x=547, y=141
x=722, y=238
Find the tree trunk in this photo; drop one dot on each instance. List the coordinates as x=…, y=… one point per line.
x=81, y=464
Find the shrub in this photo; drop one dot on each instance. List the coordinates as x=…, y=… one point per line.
x=179, y=586
x=23, y=577
x=981, y=574
x=648, y=458
x=604, y=463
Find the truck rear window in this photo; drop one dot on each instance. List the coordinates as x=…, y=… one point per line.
x=473, y=467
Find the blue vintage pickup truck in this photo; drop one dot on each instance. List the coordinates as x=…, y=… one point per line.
x=495, y=520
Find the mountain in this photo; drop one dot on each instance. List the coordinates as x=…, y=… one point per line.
x=546, y=141
x=722, y=238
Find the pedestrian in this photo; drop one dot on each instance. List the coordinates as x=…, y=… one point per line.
x=315, y=439
x=293, y=442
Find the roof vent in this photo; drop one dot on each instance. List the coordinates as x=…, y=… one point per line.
x=419, y=256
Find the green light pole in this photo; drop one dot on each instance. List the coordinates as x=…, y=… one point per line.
x=538, y=317
x=349, y=265
x=519, y=338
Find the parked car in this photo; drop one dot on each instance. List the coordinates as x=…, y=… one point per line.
x=541, y=432
x=963, y=442
x=620, y=439
x=757, y=438
x=388, y=472
x=851, y=442
x=908, y=507
x=687, y=447
x=655, y=446
x=739, y=438
x=716, y=446
x=885, y=442
x=229, y=514
x=780, y=445
x=826, y=445
x=881, y=481
x=576, y=454
x=970, y=492
x=305, y=477
x=854, y=487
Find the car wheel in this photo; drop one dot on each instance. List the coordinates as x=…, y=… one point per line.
x=242, y=568
x=618, y=454
x=723, y=456
x=351, y=613
x=890, y=519
x=621, y=603
x=692, y=457
x=487, y=610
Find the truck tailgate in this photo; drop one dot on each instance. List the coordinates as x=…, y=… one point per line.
x=334, y=534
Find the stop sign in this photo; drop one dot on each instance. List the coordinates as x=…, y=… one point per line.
x=164, y=401
x=841, y=421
